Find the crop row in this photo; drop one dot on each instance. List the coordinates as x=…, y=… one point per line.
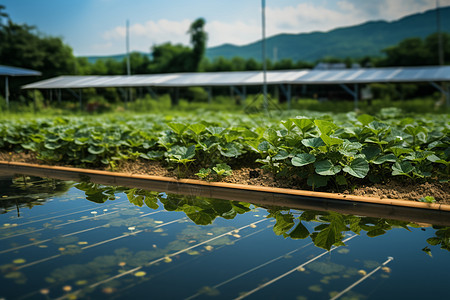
x=320, y=151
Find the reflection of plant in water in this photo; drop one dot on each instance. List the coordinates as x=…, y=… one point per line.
x=25, y=191
x=330, y=232
x=441, y=239
x=333, y=225
x=98, y=193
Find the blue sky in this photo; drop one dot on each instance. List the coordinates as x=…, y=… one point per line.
x=97, y=27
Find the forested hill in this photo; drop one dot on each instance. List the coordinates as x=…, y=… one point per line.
x=367, y=39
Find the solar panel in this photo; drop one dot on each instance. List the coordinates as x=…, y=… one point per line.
x=361, y=75
x=13, y=71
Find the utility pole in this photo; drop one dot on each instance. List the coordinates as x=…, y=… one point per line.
x=263, y=16
x=128, y=58
x=440, y=44
x=128, y=48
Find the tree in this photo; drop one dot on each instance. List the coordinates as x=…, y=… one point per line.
x=198, y=41
x=432, y=45
x=3, y=15
x=168, y=58
x=417, y=52
x=22, y=46
x=409, y=52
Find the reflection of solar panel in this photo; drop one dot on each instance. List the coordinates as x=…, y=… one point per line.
x=395, y=74
x=13, y=71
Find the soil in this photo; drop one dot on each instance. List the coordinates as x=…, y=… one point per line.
x=254, y=176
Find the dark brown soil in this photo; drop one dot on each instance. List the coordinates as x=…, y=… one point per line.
x=255, y=176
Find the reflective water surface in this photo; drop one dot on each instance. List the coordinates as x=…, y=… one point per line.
x=63, y=240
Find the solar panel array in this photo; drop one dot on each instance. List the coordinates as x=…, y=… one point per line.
x=13, y=71
x=345, y=76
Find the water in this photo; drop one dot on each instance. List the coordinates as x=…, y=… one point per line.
x=135, y=244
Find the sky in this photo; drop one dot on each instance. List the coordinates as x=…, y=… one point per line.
x=98, y=27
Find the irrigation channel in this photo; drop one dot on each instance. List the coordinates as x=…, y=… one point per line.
x=67, y=240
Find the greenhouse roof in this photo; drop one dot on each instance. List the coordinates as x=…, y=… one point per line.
x=245, y=78
x=13, y=71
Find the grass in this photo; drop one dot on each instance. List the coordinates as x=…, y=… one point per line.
x=252, y=104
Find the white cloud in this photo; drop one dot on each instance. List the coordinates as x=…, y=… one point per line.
x=307, y=16
x=143, y=36
x=238, y=33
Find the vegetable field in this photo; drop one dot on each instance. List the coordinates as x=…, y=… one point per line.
x=316, y=150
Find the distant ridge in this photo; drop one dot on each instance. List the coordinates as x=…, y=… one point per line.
x=367, y=39
x=118, y=57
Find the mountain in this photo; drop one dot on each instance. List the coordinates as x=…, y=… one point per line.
x=367, y=39
x=118, y=57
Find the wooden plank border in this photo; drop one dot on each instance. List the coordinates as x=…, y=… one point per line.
x=438, y=214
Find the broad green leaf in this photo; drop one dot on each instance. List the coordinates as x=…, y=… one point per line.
x=330, y=141
x=216, y=131
x=313, y=142
x=385, y=158
x=414, y=130
x=402, y=168
x=281, y=155
x=222, y=170
x=96, y=149
x=418, y=155
x=89, y=159
x=434, y=158
x=358, y=168
x=283, y=224
x=303, y=159
x=230, y=150
x=399, y=151
x=427, y=250
x=350, y=148
x=377, y=127
x=317, y=181
x=375, y=232
x=433, y=241
x=288, y=124
x=332, y=234
x=326, y=168
x=299, y=232
x=181, y=153
x=264, y=146
x=271, y=136
x=151, y=201
x=365, y=119
x=341, y=180
x=303, y=124
x=198, y=215
x=53, y=145
x=197, y=128
x=370, y=152
x=152, y=155
x=178, y=128
x=325, y=127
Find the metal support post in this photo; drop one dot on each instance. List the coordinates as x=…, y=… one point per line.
x=287, y=92
x=6, y=92
x=352, y=93
x=445, y=90
x=81, y=99
x=34, y=100
x=152, y=93
x=209, y=91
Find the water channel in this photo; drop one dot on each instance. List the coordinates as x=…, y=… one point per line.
x=67, y=240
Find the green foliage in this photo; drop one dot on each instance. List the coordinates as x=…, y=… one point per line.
x=427, y=199
x=319, y=151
